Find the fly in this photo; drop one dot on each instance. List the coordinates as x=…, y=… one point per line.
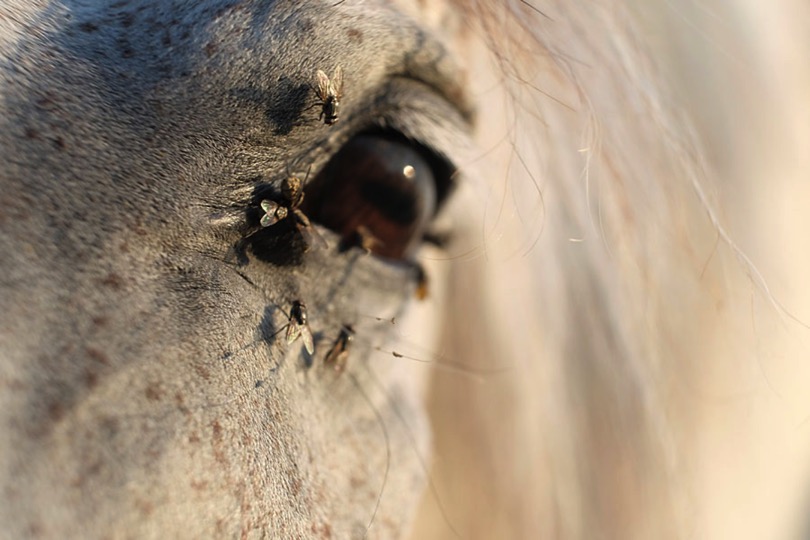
x=339, y=352
x=292, y=195
x=329, y=91
x=299, y=327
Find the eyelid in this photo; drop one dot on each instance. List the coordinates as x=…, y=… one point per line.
x=406, y=108
x=415, y=110
x=444, y=79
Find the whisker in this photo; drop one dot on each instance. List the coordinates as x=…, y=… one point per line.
x=443, y=364
x=419, y=457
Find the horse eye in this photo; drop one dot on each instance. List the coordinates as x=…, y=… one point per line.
x=380, y=192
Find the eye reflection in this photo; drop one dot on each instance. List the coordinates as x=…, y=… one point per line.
x=378, y=192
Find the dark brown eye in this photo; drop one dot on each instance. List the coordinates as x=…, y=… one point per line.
x=378, y=192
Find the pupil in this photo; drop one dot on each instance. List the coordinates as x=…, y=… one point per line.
x=378, y=184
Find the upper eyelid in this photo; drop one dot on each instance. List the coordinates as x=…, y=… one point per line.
x=403, y=47
x=422, y=97
x=402, y=105
x=445, y=78
x=420, y=113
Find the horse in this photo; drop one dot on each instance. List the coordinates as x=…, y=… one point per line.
x=361, y=268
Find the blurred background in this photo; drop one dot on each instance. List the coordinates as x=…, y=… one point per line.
x=740, y=70
x=738, y=381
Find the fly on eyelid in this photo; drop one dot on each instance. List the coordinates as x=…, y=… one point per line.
x=298, y=326
x=339, y=353
x=329, y=91
x=292, y=195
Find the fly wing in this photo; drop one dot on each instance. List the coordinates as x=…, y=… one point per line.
x=293, y=331
x=334, y=353
x=338, y=354
x=306, y=337
x=323, y=84
x=270, y=216
x=337, y=82
x=340, y=361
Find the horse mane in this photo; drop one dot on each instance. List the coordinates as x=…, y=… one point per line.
x=609, y=285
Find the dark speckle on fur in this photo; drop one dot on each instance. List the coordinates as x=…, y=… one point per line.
x=355, y=36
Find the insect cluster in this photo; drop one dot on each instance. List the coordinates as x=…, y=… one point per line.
x=287, y=207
